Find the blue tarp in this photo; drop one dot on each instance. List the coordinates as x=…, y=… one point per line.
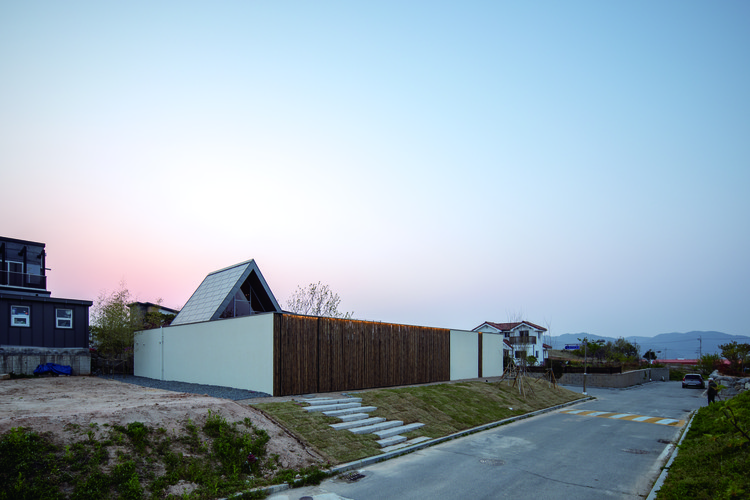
x=53, y=368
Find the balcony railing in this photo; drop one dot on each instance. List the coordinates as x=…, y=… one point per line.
x=23, y=280
x=522, y=340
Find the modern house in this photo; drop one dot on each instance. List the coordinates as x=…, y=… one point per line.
x=232, y=332
x=522, y=339
x=36, y=328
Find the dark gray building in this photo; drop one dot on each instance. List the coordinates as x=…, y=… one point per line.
x=32, y=322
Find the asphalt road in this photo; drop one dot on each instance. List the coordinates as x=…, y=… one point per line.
x=617, y=454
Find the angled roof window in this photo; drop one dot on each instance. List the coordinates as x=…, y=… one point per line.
x=239, y=290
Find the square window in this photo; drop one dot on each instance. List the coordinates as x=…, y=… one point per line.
x=20, y=316
x=64, y=318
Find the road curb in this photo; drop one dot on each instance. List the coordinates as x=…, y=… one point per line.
x=432, y=442
x=277, y=488
x=665, y=471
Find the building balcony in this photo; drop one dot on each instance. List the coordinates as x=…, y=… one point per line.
x=23, y=280
x=522, y=340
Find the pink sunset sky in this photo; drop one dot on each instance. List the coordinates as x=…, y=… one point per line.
x=586, y=165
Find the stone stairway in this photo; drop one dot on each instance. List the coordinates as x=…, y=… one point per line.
x=355, y=418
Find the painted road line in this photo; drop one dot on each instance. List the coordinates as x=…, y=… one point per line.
x=667, y=421
x=626, y=416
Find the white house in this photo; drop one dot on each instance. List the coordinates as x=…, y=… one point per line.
x=519, y=338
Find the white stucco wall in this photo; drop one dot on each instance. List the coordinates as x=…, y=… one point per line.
x=492, y=354
x=464, y=354
x=235, y=352
x=147, y=353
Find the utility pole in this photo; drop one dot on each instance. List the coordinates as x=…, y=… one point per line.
x=700, y=347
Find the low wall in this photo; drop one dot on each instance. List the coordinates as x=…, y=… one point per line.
x=236, y=352
x=24, y=360
x=492, y=355
x=464, y=356
x=616, y=380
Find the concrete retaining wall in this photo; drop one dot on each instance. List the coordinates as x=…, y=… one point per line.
x=24, y=360
x=617, y=380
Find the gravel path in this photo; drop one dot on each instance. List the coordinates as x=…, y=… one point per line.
x=214, y=391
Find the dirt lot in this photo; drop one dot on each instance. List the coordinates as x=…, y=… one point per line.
x=50, y=404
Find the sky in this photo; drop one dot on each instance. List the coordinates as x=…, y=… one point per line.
x=584, y=165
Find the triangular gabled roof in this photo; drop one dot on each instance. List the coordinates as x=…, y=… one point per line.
x=506, y=327
x=237, y=290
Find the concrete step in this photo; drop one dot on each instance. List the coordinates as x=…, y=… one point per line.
x=393, y=447
x=330, y=407
x=351, y=417
x=368, y=429
x=338, y=413
x=402, y=429
x=391, y=441
x=366, y=422
x=321, y=401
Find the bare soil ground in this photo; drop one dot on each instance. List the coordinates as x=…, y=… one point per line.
x=52, y=404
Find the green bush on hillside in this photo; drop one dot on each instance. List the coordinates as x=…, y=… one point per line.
x=712, y=461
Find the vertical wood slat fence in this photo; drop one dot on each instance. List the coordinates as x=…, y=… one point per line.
x=315, y=354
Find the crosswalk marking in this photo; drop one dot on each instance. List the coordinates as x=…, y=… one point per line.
x=626, y=416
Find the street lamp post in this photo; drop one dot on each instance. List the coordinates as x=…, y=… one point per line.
x=585, y=362
x=585, y=341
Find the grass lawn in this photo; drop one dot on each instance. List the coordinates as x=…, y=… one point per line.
x=712, y=462
x=443, y=408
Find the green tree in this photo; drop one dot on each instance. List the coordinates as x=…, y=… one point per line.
x=736, y=354
x=628, y=350
x=708, y=363
x=650, y=355
x=619, y=351
x=157, y=319
x=316, y=300
x=113, y=326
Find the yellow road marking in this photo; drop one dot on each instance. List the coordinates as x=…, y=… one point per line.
x=626, y=416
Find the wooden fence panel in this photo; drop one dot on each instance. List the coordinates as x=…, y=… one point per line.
x=295, y=353
x=314, y=354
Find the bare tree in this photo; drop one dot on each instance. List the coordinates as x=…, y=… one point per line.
x=514, y=316
x=521, y=343
x=316, y=299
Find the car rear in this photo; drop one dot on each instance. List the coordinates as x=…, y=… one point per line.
x=693, y=380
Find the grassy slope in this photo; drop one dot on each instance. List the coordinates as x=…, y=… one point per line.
x=443, y=408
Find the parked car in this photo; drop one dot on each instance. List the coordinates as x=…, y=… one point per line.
x=693, y=380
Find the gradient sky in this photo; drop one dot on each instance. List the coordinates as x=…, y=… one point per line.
x=583, y=164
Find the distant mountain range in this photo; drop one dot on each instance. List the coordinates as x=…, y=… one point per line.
x=672, y=345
